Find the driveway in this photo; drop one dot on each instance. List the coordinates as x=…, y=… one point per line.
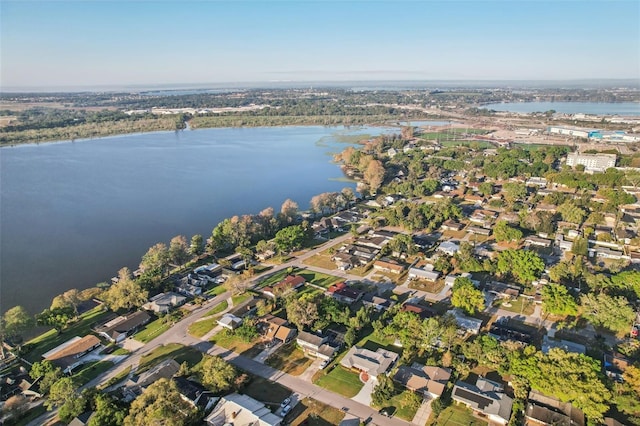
x=364, y=396
x=423, y=413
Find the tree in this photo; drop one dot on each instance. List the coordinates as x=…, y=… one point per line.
x=503, y=232
x=289, y=211
x=46, y=372
x=14, y=322
x=217, y=374
x=383, y=391
x=196, y=248
x=57, y=318
x=108, y=411
x=156, y=260
x=374, y=175
x=236, y=284
x=15, y=406
x=348, y=195
x=350, y=336
x=289, y=238
x=465, y=296
x=61, y=392
x=179, y=250
x=580, y=246
x=302, y=312
x=160, y=403
x=629, y=280
x=486, y=188
x=514, y=191
x=126, y=293
x=606, y=311
x=557, y=300
x=70, y=298
x=524, y=265
x=571, y=212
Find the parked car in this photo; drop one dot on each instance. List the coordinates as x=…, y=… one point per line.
x=286, y=409
x=285, y=402
x=324, y=364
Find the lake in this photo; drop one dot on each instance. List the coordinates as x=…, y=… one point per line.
x=73, y=213
x=598, y=108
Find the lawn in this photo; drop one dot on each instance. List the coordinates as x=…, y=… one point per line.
x=289, y=359
x=153, y=330
x=274, y=279
x=230, y=341
x=314, y=413
x=116, y=379
x=90, y=371
x=176, y=351
x=316, y=278
x=402, y=411
x=361, y=271
x=341, y=381
x=266, y=391
x=428, y=286
x=216, y=291
x=218, y=308
x=372, y=343
x=239, y=298
x=520, y=305
x=200, y=328
x=321, y=260
x=456, y=415
x=50, y=339
x=31, y=415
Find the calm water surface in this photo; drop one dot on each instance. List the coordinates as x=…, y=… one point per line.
x=623, y=108
x=73, y=213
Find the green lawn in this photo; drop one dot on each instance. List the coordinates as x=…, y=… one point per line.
x=218, y=308
x=520, y=305
x=200, y=328
x=116, y=379
x=31, y=415
x=339, y=380
x=373, y=343
x=238, y=299
x=274, y=279
x=175, y=351
x=45, y=342
x=289, y=359
x=90, y=371
x=402, y=411
x=480, y=144
x=230, y=341
x=455, y=415
x=428, y=286
x=316, y=278
x=216, y=291
x=153, y=330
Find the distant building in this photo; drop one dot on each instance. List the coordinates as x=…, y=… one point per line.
x=592, y=162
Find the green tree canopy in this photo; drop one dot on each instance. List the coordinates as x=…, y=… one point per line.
x=503, y=232
x=217, y=374
x=15, y=321
x=524, y=265
x=610, y=312
x=466, y=296
x=289, y=238
x=126, y=293
x=557, y=300
x=160, y=404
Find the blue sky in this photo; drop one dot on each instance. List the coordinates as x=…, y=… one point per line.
x=95, y=43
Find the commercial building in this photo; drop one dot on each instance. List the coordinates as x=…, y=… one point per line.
x=592, y=162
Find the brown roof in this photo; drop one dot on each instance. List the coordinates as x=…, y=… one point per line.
x=284, y=333
x=78, y=347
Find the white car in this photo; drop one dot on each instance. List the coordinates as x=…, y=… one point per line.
x=285, y=402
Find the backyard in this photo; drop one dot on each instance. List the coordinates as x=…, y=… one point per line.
x=455, y=415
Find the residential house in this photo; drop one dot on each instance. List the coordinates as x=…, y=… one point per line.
x=241, y=410
x=451, y=225
x=486, y=398
x=316, y=346
x=117, y=329
x=479, y=231
x=136, y=384
x=374, y=242
x=369, y=362
x=562, y=244
x=230, y=321
x=164, y=302
x=377, y=302
x=549, y=343
x=483, y=218
x=195, y=394
x=212, y=270
x=289, y=284
x=503, y=332
x=423, y=274
x=83, y=419
x=387, y=265
x=69, y=355
x=537, y=241
x=278, y=329
x=545, y=410
x=475, y=199
x=537, y=181
x=346, y=261
x=420, y=310
x=343, y=293
x=466, y=324
x=450, y=279
x=502, y=290
x=428, y=381
x=449, y=247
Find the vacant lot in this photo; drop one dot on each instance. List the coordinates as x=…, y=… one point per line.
x=318, y=279
x=310, y=412
x=289, y=359
x=230, y=341
x=175, y=351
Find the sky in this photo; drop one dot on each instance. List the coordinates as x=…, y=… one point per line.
x=49, y=44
